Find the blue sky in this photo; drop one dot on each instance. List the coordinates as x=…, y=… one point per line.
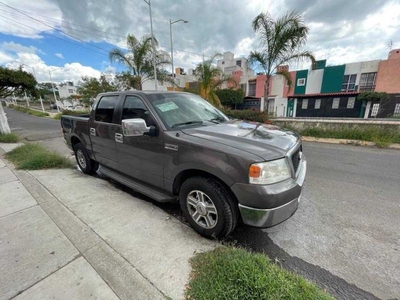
x=341, y=31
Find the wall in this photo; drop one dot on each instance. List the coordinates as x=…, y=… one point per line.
x=332, y=79
x=300, y=90
x=286, y=91
x=388, y=78
x=314, y=81
x=277, y=85
x=260, y=83
x=326, y=109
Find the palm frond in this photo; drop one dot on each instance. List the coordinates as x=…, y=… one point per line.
x=287, y=76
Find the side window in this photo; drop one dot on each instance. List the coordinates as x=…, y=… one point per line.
x=134, y=108
x=105, y=109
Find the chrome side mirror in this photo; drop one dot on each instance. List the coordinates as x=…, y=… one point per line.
x=134, y=127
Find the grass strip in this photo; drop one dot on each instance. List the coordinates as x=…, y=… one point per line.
x=234, y=273
x=383, y=136
x=8, y=138
x=29, y=111
x=36, y=157
x=70, y=113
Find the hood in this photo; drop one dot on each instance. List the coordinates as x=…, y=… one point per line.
x=266, y=141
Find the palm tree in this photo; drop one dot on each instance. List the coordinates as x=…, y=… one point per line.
x=138, y=60
x=210, y=79
x=281, y=42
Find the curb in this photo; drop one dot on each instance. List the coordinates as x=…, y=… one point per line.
x=345, y=142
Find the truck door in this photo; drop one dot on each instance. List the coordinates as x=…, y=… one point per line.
x=102, y=132
x=140, y=157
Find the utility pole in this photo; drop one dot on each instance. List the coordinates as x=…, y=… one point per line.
x=153, y=46
x=54, y=91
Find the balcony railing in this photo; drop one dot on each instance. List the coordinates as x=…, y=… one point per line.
x=367, y=88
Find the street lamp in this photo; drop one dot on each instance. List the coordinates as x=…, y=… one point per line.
x=34, y=74
x=54, y=92
x=172, y=49
x=152, y=45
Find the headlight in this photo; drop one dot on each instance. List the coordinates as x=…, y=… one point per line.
x=269, y=172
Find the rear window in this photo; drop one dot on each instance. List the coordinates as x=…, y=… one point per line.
x=105, y=109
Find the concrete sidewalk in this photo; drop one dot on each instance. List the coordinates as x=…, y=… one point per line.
x=66, y=235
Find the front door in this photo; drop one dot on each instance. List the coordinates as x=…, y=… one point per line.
x=102, y=132
x=140, y=157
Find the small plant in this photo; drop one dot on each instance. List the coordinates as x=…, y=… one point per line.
x=36, y=157
x=8, y=138
x=232, y=273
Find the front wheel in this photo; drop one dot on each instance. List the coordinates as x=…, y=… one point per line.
x=208, y=206
x=87, y=165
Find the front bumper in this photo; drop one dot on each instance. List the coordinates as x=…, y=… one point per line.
x=269, y=205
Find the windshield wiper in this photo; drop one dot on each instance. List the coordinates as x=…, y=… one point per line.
x=186, y=123
x=216, y=120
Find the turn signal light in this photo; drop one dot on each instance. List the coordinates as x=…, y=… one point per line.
x=254, y=171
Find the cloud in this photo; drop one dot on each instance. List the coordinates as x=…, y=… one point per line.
x=69, y=72
x=22, y=24
x=59, y=55
x=340, y=30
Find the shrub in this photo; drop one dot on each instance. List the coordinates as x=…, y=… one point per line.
x=248, y=115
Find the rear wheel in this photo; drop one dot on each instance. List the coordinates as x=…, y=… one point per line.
x=208, y=206
x=87, y=165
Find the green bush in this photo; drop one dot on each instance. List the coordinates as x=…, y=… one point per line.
x=231, y=273
x=8, y=138
x=248, y=115
x=36, y=157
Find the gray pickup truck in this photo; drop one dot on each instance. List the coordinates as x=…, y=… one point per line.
x=176, y=146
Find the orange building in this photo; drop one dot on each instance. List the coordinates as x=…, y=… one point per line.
x=388, y=78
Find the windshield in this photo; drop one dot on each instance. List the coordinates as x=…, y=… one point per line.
x=182, y=109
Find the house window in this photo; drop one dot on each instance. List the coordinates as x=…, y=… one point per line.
x=301, y=82
x=375, y=109
x=396, y=112
x=304, y=104
x=349, y=82
x=239, y=63
x=317, y=104
x=70, y=91
x=335, y=103
x=252, y=88
x=367, y=82
x=350, y=102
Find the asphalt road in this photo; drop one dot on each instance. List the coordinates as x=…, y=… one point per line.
x=345, y=234
x=45, y=131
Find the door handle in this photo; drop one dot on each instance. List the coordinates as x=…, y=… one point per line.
x=93, y=131
x=119, y=138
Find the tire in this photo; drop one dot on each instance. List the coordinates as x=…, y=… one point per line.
x=87, y=165
x=208, y=206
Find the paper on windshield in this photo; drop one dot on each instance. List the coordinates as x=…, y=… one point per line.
x=167, y=106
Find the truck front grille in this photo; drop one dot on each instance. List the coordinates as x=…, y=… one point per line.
x=296, y=158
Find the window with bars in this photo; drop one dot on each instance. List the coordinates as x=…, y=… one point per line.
x=252, y=88
x=317, y=104
x=367, y=82
x=350, y=102
x=396, y=112
x=335, y=103
x=304, y=104
x=375, y=109
x=349, y=82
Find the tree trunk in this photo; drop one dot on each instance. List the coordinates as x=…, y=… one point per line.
x=266, y=93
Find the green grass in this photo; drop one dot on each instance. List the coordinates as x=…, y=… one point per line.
x=30, y=111
x=36, y=157
x=8, y=138
x=232, y=273
x=70, y=112
x=381, y=136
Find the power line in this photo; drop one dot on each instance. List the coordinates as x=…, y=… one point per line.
x=77, y=44
x=55, y=28
x=99, y=35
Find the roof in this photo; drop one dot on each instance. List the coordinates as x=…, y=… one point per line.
x=325, y=95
